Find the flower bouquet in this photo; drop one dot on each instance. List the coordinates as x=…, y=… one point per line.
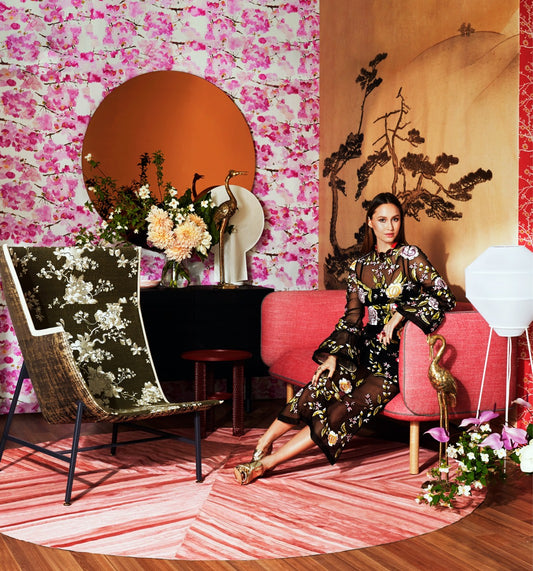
x=178, y=226
x=479, y=456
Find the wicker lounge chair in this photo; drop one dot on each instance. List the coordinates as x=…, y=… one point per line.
x=78, y=323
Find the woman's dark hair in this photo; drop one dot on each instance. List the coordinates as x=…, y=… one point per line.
x=369, y=239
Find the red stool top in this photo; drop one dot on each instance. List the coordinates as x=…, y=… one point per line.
x=216, y=355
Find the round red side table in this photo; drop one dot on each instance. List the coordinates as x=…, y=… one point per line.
x=202, y=358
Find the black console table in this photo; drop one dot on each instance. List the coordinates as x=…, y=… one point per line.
x=202, y=317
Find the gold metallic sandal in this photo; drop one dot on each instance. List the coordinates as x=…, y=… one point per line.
x=248, y=472
x=259, y=454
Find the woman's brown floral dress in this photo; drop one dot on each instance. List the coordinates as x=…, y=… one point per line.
x=366, y=377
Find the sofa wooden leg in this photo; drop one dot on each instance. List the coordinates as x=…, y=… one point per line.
x=414, y=443
x=290, y=391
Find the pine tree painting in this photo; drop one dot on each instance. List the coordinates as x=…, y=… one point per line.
x=417, y=179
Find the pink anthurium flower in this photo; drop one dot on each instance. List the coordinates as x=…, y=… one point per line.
x=522, y=402
x=512, y=437
x=485, y=416
x=493, y=441
x=439, y=434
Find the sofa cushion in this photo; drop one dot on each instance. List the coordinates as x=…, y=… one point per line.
x=295, y=366
x=298, y=320
x=466, y=333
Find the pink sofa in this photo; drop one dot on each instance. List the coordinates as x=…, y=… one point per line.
x=293, y=323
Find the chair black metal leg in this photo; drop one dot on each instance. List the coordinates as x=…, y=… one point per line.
x=74, y=453
x=114, y=438
x=16, y=394
x=198, y=445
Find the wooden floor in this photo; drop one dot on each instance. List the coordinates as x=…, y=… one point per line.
x=496, y=536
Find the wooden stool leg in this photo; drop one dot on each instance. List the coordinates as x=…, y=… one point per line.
x=200, y=380
x=200, y=390
x=238, y=398
x=209, y=414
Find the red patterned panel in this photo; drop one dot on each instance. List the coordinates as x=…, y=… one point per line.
x=525, y=192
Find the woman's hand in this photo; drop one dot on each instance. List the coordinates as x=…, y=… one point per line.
x=385, y=336
x=330, y=364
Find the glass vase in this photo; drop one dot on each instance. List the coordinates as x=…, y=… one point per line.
x=174, y=275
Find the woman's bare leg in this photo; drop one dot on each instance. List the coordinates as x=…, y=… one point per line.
x=273, y=432
x=299, y=443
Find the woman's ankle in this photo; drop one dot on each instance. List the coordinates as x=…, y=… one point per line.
x=263, y=444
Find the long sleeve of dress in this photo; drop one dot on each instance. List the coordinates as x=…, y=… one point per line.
x=429, y=296
x=344, y=341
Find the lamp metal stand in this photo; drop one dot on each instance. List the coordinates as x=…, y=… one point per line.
x=507, y=375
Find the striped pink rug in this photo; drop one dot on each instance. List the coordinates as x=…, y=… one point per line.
x=144, y=502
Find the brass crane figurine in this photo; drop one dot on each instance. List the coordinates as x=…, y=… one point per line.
x=443, y=382
x=221, y=219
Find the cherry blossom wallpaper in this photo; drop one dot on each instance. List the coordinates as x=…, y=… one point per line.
x=61, y=57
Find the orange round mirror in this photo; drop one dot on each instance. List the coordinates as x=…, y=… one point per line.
x=196, y=125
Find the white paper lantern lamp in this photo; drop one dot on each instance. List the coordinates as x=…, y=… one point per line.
x=499, y=284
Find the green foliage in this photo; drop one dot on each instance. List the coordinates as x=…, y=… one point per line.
x=124, y=209
x=477, y=461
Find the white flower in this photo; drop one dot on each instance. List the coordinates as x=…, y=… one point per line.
x=372, y=315
x=471, y=456
x=150, y=394
x=478, y=485
x=485, y=428
x=475, y=437
x=135, y=349
x=88, y=157
x=409, y=252
x=463, y=490
x=78, y=291
x=204, y=203
x=526, y=457
x=112, y=318
x=345, y=386
x=444, y=469
x=484, y=457
x=144, y=192
x=172, y=191
x=501, y=453
x=451, y=452
x=101, y=381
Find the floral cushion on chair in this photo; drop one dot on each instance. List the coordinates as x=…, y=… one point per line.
x=92, y=293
